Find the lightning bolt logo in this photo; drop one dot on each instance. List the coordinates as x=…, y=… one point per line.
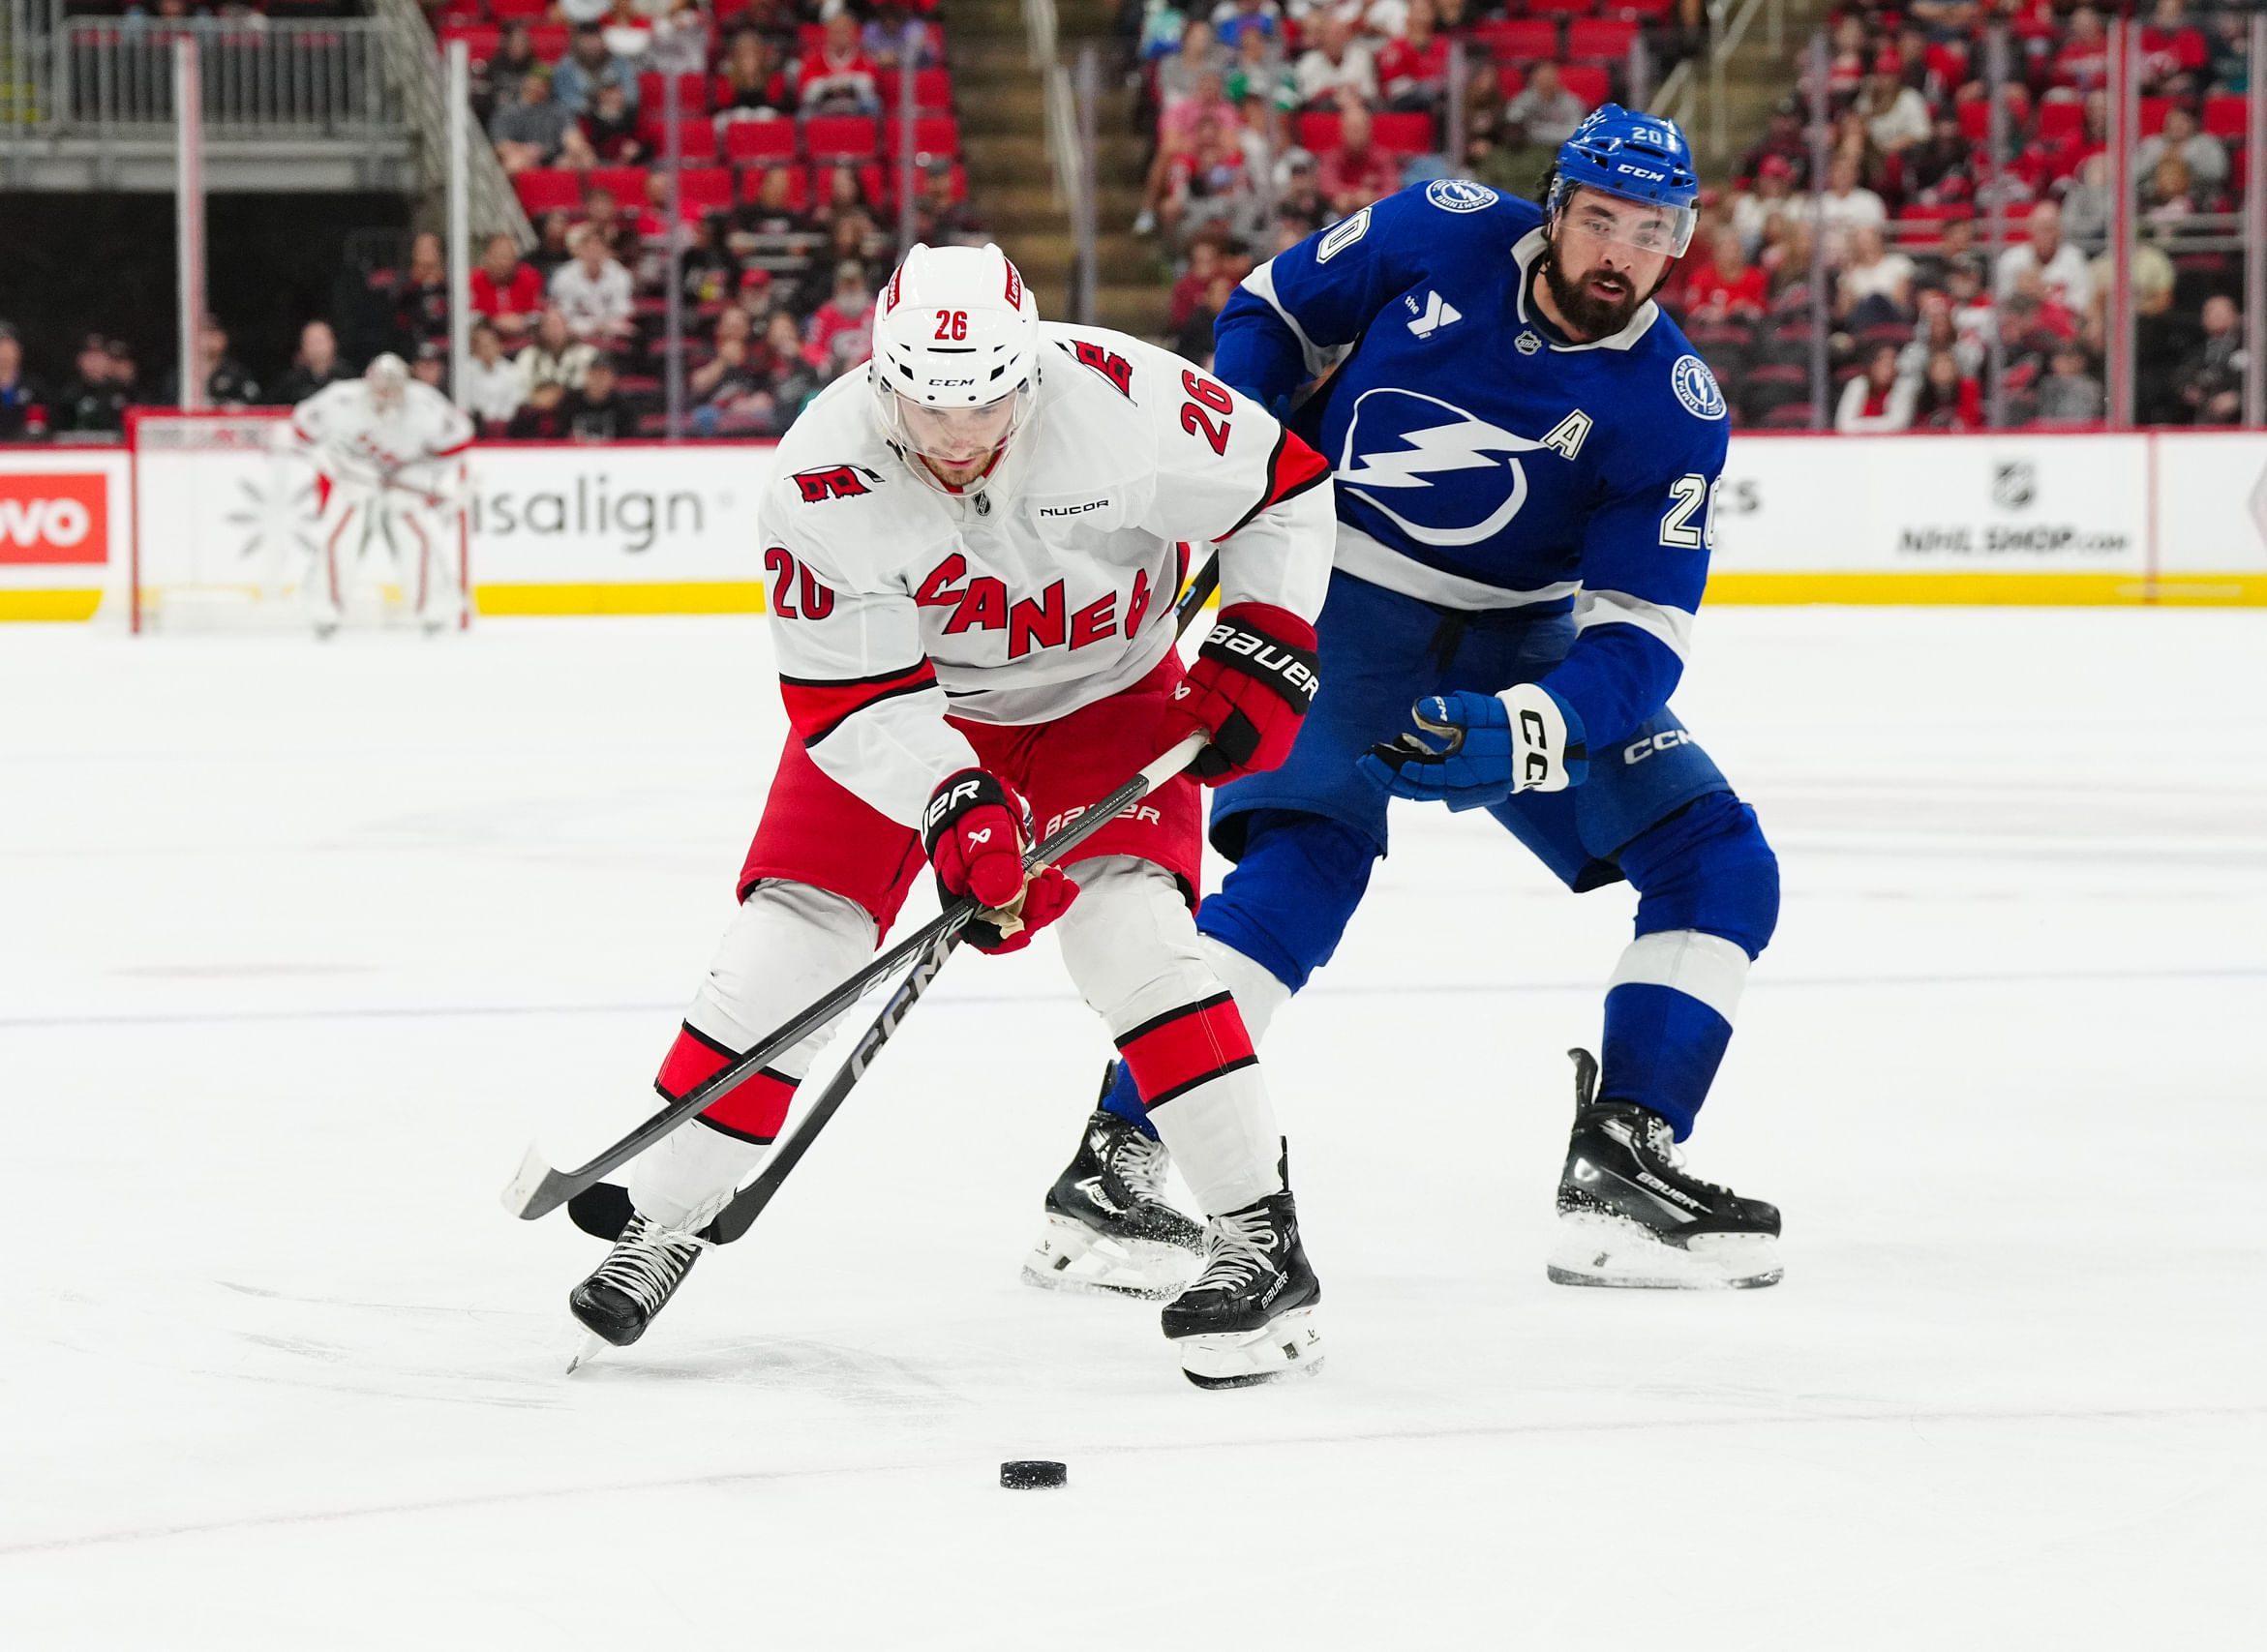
x=1457, y=442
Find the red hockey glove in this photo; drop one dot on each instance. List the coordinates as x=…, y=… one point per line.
x=975, y=830
x=1253, y=681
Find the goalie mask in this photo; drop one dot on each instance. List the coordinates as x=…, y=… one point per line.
x=955, y=365
x=388, y=378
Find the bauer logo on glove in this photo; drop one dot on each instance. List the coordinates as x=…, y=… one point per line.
x=1476, y=749
x=1252, y=683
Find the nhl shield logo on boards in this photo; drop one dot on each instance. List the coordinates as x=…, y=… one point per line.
x=1439, y=474
x=2014, y=483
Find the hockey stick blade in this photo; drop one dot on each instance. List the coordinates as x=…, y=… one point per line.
x=539, y=1188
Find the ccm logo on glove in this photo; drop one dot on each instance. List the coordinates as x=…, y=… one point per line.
x=1477, y=749
x=1253, y=681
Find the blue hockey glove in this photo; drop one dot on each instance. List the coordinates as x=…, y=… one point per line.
x=1491, y=745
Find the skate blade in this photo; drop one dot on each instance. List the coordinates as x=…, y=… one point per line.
x=589, y=1348
x=1288, y=1344
x=1070, y=1256
x=1614, y=1252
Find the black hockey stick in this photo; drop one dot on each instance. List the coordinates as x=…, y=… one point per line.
x=538, y=1189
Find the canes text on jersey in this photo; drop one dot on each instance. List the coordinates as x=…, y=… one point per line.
x=981, y=604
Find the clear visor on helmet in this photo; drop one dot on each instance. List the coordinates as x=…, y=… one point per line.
x=955, y=436
x=1641, y=226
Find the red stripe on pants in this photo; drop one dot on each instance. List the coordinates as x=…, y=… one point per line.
x=1184, y=1048
x=754, y=1110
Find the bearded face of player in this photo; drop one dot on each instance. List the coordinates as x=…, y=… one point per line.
x=1606, y=257
x=958, y=444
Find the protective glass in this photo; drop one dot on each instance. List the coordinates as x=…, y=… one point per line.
x=1641, y=226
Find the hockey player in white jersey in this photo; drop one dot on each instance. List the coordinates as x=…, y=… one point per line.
x=388, y=450
x=973, y=551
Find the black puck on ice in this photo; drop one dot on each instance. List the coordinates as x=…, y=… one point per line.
x=1032, y=1475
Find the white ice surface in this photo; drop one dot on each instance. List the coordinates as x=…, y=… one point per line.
x=300, y=944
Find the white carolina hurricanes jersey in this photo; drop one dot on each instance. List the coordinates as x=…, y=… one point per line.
x=1044, y=586
x=354, y=443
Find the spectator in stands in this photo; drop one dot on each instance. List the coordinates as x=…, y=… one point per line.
x=838, y=78
x=603, y=217
x=94, y=402
x=1412, y=71
x=2173, y=53
x=2229, y=42
x=1786, y=138
x=1878, y=398
x=556, y=359
x=1194, y=341
x=2069, y=395
x=1726, y=287
x=1948, y=398
x=792, y=378
x=1896, y=116
x=495, y=84
x=1853, y=138
x=752, y=85
x=506, y=292
x=1207, y=253
x=770, y=216
x=23, y=407
x=1876, y=287
x=841, y=332
x=776, y=20
x=839, y=196
x=2167, y=194
x=2211, y=378
x=2088, y=203
x=588, y=64
x=1545, y=113
x=885, y=39
x=577, y=13
x=1938, y=331
x=1846, y=205
x=594, y=293
x=2164, y=339
x=495, y=385
x=1356, y=173
x=1177, y=73
x=553, y=232
x=1845, y=66
x=421, y=297
x=2082, y=61
x=720, y=386
x=1233, y=19
x=432, y=366
x=2202, y=154
x=938, y=219
x=1260, y=84
x=1210, y=183
x=528, y=132
x=1935, y=169
x=1786, y=261
x=2061, y=266
x=606, y=133
x=317, y=366
x=225, y=383
x=598, y=411
x=1955, y=242
x=1209, y=100
x=1337, y=63
x=1771, y=197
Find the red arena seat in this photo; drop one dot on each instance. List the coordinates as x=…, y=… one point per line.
x=1587, y=81
x=1403, y=134
x=839, y=138
x=1600, y=39
x=763, y=143
x=545, y=188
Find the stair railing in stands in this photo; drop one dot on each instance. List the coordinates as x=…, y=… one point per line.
x=1065, y=148
x=413, y=64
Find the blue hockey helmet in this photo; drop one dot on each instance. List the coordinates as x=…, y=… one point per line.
x=1636, y=158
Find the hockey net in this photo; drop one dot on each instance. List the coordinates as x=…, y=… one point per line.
x=227, y=514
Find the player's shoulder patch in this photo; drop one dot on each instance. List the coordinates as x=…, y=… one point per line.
x=1460, y=195
x=834, y=482
x=1696, y=387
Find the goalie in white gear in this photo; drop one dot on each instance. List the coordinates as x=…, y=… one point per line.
x=974, y=550
x=389, y=451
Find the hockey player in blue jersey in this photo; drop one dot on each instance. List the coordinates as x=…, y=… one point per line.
x=1525, y=454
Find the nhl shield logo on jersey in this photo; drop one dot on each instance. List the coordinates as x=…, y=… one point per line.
x=1436, y=467
x=1696, y=387
x=1458, y=194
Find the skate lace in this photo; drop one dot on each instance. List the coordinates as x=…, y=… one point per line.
x=1239, y=1248
x=648, y=1261
x=1140, y=1163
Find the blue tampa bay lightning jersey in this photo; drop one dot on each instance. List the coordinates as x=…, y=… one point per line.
x=1483, y=459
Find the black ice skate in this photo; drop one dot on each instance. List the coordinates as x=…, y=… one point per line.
x=1629, y=1216
x=1108, y=1227
x=647, y=1263
x=1250, y=1317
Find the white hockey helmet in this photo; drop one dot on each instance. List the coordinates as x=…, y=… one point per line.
x=388, y=378
x=955, y=363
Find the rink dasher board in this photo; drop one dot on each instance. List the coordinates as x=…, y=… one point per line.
x=645, y=528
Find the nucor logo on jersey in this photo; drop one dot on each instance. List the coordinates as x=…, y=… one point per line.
x=54, y=518
x=981, y=604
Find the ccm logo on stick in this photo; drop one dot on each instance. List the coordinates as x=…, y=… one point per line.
x=54, y=518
